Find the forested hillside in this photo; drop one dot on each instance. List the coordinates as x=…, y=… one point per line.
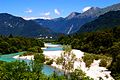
x=105, y=42
x=73, y=22
x=17, y=44
x=106, y=21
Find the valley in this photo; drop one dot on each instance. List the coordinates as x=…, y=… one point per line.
x=42, y=43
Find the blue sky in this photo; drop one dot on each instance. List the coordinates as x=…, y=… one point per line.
x=49, y=8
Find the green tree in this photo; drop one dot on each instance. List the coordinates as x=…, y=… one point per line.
x=39, y=57
x=10, y=36
x=67, y=59
x=79, y=75
x=4, y=46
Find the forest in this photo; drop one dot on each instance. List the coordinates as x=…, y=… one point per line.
x=106, y=42
x=12, y=44
x=21, y=70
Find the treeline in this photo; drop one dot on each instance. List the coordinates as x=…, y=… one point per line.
x=105, y=42
x=16, y=44
x=22, y=71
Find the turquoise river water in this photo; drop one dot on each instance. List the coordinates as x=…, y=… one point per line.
x=46, y=69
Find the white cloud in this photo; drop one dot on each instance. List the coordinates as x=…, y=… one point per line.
x=29, y=11
x=45, y=17
x=57, y=11
x=86, y=8
x=38, y=17
x=47, y=14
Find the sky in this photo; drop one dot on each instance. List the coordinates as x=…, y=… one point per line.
x=49, y=9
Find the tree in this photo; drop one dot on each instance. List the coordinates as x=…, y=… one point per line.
x=10, y=36
x=67, y=59
x=39, y=50
x=35, y=49
x=55, y=76
x=39, y=57
x=4, y=46
x=13, y=49
x=78, y=74
x=0, y=54
x=13, y=70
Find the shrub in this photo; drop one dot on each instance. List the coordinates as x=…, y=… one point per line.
x=103, y=63
x=39, y=57
x=13, y=49
x=27, y=53
x=35, y=49
x=89, y=58
x=49, y=62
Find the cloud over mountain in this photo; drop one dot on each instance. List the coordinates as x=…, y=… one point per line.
x=47, y=13
x=57, y=12
x=28, y=11
x=36, y=17
x=86, y=8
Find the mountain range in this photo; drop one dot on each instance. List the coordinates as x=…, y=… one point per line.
x=89, y=20
x=17, y=26
x=103, y=22
x=73, y=22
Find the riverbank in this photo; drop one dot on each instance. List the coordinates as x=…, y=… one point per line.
x=29, y=57
x=94, y=71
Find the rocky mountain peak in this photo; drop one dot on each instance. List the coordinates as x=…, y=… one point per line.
x=72, y=15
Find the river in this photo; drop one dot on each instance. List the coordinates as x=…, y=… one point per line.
x=46, y=69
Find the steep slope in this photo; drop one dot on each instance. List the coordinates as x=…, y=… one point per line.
x=75, y=20
x=106, y=21
x=67, y=25
x=17, y=26
x=53, y=24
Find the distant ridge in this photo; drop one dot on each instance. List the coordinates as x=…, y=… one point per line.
x=17, y=26
x=105, y=21
x=76, y=19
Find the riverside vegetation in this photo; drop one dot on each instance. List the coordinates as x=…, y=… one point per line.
x=106, y=42
x=21, y=70
x=103, y=45
x=16, y=44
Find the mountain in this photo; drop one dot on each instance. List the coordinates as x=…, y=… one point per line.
x=17, y=26
x=67, y=25
x=106, y=21
x=75, y=20
x=72, y=15
x=52, y=24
